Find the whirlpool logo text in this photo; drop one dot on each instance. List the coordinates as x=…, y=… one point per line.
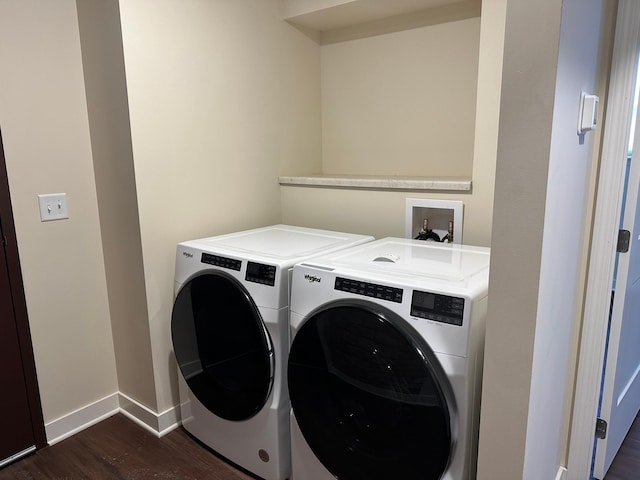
x=312, y=278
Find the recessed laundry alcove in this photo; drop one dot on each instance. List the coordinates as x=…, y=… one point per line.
x=397, y=93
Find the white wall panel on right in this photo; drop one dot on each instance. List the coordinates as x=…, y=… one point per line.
x=567, y=192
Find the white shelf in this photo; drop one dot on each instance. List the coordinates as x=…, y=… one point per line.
x=459, y=184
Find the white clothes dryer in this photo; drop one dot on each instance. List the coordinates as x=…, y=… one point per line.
x=386, y=360
x=230, y=332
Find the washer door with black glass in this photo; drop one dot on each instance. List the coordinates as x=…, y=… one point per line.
x=369, y=395
x=222, y=346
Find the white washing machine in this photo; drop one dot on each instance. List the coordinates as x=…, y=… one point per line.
x=386, y=359
x=230, y=332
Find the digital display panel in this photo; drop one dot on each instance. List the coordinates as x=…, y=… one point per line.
x=424, y=300
x=261, y=273
x=437, y=307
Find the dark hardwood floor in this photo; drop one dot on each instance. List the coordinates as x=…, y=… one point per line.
x=626, y=464
x=117, y=448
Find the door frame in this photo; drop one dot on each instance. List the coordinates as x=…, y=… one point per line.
x=608, y=207
x=19, y=304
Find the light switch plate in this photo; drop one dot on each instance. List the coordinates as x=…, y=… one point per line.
x=588, y=118
x=53, y=206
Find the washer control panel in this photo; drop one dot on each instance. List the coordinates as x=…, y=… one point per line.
x=261, y=273
x=369, y=289
x=436, y=307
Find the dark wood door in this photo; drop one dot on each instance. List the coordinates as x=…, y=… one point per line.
x=21, y=422
x=14, y=402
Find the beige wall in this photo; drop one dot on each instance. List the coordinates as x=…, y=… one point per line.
x=106, y=89
x=223, y=97
x=43, y=117
x=528, y=89
x=479, y=207
x=403, y=103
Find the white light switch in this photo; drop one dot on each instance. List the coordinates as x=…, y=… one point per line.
x=53, y=206
x=588, y=118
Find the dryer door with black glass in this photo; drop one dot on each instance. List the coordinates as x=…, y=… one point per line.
x=223, y=349
x=369, y=395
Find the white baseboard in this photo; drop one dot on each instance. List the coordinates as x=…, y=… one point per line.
x=157, y=423
x=562, y=473
x=82, y=418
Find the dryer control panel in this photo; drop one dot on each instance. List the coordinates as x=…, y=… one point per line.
x=440, y=308
x=369, y=289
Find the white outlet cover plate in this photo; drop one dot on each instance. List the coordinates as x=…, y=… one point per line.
x=53, y=206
